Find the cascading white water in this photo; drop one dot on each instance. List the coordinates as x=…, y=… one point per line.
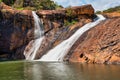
x=38, y=36
x=58, y=53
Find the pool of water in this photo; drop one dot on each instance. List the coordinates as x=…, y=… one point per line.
x=24, y=70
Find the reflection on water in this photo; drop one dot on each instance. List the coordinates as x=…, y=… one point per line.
x=57, y=71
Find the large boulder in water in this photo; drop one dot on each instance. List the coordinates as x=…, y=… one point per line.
x=100, y=44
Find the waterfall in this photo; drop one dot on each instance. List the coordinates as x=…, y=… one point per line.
x=58, y=52
x=38, y=36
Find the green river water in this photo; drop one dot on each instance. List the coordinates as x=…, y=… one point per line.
x=24, y=70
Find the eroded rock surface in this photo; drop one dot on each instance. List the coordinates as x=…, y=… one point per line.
x=55, y=31
x=16, y=30
x=100, y=44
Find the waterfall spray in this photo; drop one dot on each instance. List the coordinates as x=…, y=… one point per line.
x=58, y=52
x=38, y=36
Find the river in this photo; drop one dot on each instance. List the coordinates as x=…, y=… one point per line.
x=24, y=70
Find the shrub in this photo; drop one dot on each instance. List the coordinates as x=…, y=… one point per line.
x=8, y=2
x=69, y=12
x=33, y=4
x=69, y=23
x=115, y=9
x=98, y=12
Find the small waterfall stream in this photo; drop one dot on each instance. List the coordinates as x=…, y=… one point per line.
x=58, y=52
x=38, y=36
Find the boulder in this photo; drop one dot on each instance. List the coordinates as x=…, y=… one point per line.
x=84, y=9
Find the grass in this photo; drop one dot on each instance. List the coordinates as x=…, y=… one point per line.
x=110, y=10
x=20, y=8
x=115, y=9
x=0, y=1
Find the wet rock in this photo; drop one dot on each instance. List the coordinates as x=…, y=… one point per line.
x=17, y=28
x=55, y=31
x=56, y=36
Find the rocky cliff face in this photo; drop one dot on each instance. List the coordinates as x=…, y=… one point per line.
x=111, y=15
x=55, y=31
x=101, y=44
x=16, y=30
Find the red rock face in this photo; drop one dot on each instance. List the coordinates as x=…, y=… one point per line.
x=101, y=44
x=17, y=27
x=85, y=9
x=16, y=30
x=83, y=14
x=55, y=36
x=112, y=14
x=4, y=6
x=55, y=31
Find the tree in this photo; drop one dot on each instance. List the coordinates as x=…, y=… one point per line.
x=8, y=2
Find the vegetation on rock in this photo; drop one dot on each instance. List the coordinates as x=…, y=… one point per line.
x=45, y=4
x=32, y=4
x=8, y=2
x=110, y=10
x=115, y=9
x=68, y=23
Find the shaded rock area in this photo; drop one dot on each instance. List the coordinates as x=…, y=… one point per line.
x=16, y=30
x=100, y=44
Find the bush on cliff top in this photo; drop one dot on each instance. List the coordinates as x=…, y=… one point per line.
x=8, y=2
x=32, y=4
x=115, y=9
x=45, y=4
